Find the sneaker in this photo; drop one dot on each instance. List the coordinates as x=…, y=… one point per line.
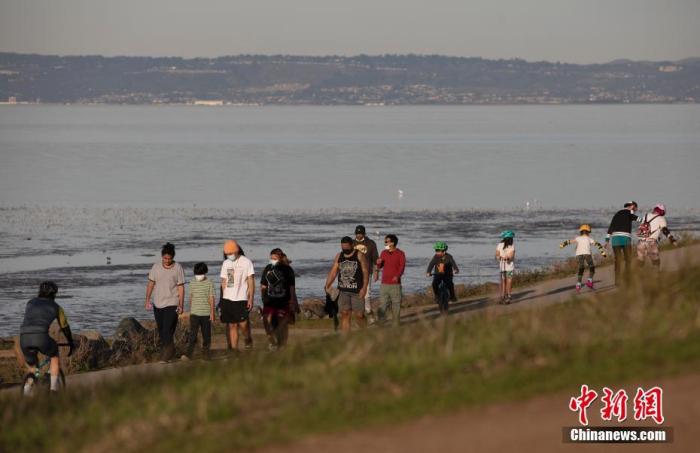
x=589, y=283
x=578, y=288
x=184, y=357
x=248, y=343
x=370, y=318
x=28, y=387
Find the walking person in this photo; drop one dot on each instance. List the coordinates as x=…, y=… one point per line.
x=166, y=283
x=277, y=288
x=391, y=264
x=505, y=255
x=351, y=268
x=649, y=234
x=201, y=310
x=583, y=254
x=620, y=235
x=369, y=248
x=238, y=285
x=442, y=268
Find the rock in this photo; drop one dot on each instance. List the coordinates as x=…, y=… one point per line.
x=91, y=352
x=129, y=327
x=313, y=309
x=133, y=343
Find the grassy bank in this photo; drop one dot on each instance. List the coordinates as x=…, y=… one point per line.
x=375, y=376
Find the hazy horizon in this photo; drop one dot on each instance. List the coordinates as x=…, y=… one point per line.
x=690, y=57
x=576, y=31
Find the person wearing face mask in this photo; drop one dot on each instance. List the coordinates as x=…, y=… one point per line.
x=277, y=288
x=238, y=289
x=201, y=310
x=620, y=235
x=166, y=283
x=391, y=264
x=352, y=270
x=369, y=248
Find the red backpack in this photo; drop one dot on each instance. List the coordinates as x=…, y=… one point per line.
x=644, y=230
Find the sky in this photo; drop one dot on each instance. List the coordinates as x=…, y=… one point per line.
x=576, y=31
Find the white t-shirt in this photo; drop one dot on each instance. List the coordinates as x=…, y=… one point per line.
x=505, y=264
x=658, y=223
x=583, y=245
x=236, y=274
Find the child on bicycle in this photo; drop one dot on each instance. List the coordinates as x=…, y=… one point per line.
x=445, y=268
x=505, y=255
x=34, y=333
x=584, y=255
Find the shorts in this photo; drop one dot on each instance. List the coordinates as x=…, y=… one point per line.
x=648, y=248
x=276, y=312
x=351, y=302
x=234, y=311
x=620, y=241
x=507, y=274
x=31, y=343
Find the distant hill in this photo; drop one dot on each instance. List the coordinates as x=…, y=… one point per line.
x=333, y=80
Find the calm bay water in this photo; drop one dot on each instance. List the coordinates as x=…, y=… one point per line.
x=79, y=184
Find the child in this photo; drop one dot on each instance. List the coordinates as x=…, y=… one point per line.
x=445, y=268
x=201, y=309
x=505, y=255
x=583, y=254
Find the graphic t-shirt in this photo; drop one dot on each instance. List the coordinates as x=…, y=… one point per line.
x=236, y=274
x=165, y=293
x=444, y=264
x=350, y=272
x=200, y=293
x=278, y=279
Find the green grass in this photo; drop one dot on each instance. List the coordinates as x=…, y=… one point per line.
x=375, y=376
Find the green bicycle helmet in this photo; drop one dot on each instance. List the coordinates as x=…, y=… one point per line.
x=507, y=234
x=440, y=246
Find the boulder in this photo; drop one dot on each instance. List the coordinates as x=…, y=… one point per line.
x=91, y=351
x=133, y=343
x=313, y=309
x=129, y=327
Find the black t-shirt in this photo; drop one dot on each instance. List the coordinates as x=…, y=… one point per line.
x=278, y=279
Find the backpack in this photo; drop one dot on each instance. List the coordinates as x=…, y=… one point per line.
x=644, y=230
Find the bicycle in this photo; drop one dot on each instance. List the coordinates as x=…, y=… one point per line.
x=41, y=378
x=443, y=297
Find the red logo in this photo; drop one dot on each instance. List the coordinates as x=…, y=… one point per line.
x=647, y=404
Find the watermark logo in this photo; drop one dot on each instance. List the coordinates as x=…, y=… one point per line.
x=646, y=405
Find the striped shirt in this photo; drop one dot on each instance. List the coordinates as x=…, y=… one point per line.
x=200, y=293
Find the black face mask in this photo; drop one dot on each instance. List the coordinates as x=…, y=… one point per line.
x=347, y=251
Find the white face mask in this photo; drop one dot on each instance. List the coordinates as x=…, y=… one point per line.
x=274, y=262
x=231, y=257
x=388, y=247
x=199, y=278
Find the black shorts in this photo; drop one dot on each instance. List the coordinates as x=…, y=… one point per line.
x=31, y=343
x=234, y=311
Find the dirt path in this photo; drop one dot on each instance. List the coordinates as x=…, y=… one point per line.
x=542, y=294
x=534, y=425
x=560, y=290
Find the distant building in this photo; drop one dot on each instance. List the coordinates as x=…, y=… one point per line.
x=209, y=103
x=12, y=100
x=670, y=68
